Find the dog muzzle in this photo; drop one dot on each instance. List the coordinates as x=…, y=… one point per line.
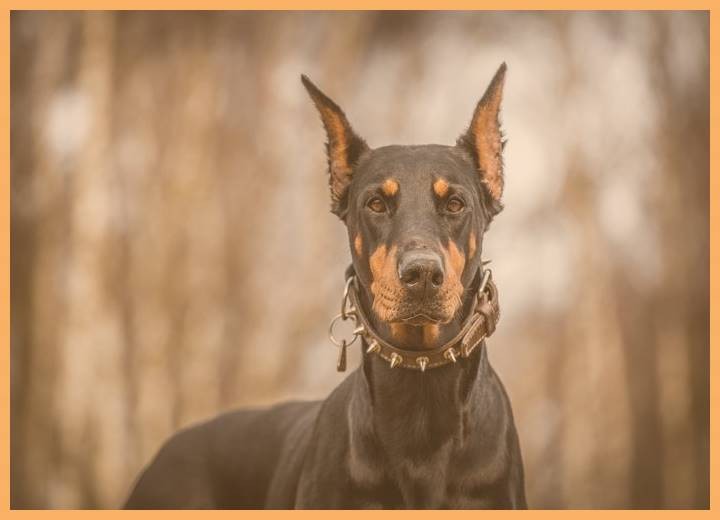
x=480, y=323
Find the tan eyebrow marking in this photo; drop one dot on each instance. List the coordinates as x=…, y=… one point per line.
x=440, y=187
x=390, y=187
x=472, y=245
x=358, y=244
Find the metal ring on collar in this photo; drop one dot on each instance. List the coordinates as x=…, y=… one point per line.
x=331, y=332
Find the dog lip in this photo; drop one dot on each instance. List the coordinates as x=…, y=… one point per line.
x=420, y=319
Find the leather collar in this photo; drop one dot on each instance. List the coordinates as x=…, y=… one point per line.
x=480, y=323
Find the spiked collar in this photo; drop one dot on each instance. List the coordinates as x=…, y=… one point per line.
x=480, y=323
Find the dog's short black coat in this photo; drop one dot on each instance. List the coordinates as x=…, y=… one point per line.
x=384, y=438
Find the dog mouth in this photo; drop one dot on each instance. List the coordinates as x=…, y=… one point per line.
x=395, y=307
x=425, y=313
x=421, y=318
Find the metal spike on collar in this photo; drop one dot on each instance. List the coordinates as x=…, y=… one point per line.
x=422, y=362
x=360, y=329
x=451, y=354
x=395, y=359
x=373, y=347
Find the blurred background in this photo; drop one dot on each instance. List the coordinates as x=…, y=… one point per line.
x=173, y=253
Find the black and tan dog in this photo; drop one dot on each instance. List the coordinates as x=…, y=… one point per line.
x=424, y=422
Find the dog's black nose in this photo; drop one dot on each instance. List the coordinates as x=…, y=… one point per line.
x=421, y=271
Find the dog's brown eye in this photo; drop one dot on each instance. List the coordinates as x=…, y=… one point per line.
x=454, y=205
x=377, y=205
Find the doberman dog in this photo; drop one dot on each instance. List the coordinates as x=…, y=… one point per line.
x=424, y=422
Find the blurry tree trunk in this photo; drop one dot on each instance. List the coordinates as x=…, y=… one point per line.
x=39, y=231
x=681, y=306
x=91, y=418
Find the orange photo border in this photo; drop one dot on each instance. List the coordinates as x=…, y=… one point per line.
x=337, y=5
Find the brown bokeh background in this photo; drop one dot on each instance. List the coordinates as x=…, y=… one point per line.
x=173, y=254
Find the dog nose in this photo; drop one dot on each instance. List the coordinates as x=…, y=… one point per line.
x=421, y=271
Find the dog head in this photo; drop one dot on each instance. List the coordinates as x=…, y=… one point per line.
x=416, y=215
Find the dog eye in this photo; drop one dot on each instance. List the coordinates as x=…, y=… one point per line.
x=377, y=205
x=454, y=205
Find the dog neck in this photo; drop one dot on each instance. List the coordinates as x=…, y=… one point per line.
x=411, y=408
x=412, y=413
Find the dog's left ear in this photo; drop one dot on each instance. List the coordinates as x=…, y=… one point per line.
x=344, y=147
x=484, y=138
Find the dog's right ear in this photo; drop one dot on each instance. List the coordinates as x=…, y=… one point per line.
x=484, y=139
x=344, y=147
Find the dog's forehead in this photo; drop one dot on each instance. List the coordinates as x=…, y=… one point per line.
x=410, y=164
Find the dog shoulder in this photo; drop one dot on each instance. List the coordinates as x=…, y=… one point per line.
x=227, y=461
x=177, y=475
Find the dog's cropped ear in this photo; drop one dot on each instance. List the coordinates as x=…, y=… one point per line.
x=344, y=147
x=484, y=138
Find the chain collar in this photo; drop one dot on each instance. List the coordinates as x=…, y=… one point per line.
x=481, y=321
